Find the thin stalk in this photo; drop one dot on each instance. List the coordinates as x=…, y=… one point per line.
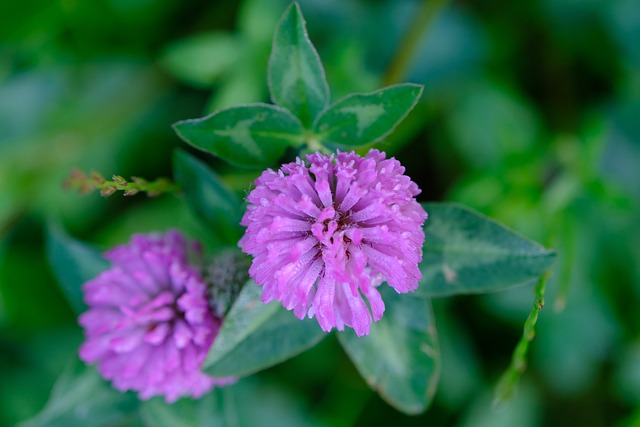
x=508, y=382
x=404, y=54
x=77, y=180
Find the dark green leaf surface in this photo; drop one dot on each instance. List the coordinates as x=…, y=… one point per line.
x=255, y=336
x=361, y=119
x=73, y=263
x=466, y=252
x=400, y=358
x=251, y=136
x=207, y=196
x=296, y=76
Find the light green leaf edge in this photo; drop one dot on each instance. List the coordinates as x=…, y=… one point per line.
x=315, y=90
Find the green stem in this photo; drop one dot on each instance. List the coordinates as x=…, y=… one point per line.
x=402, y=59
x=507, y=385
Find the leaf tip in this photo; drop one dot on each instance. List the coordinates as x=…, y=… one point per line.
x=178, y=128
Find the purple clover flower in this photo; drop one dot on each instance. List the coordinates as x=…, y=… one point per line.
x=149, y=326
x=325, y=236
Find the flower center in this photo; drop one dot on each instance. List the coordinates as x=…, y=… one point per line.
x=332, y=229
x=163, y=309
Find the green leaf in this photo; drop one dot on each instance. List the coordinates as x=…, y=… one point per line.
x=251, y=136
x=255, y=336
x=204, y=412
x=296, y=77
x=466, y=252
x=201, y=59
x=80, y=398
x=208, y=197
x=400, y=357
x=73, y=263
x=361, y=119
x=228, y=406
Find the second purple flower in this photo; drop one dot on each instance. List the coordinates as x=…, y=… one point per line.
x=149, y=326
x=325, y=236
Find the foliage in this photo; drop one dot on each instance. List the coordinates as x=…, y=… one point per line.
x=527, y=116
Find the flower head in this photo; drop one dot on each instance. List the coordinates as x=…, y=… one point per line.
x=324, y=237
x=149, y=326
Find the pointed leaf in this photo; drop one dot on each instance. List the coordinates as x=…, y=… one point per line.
x=251, y=136
x=296, y=78
x=208, y=197
x=466, y=252
x=361, y=119
x=400, y=357
x=255, y=336
x=73, y=263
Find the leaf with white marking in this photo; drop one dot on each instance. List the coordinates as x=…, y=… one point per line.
x=400, y=358
x=361, y=119
x=296, y=76
x=466, y=252
x=251, y=136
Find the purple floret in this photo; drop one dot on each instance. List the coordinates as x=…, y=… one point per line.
x=149, y=326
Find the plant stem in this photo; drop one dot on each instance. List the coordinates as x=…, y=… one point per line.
x=85, y=184
x=402, y=60
x=507, y=385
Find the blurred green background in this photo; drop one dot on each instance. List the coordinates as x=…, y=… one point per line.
x=531, y=114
